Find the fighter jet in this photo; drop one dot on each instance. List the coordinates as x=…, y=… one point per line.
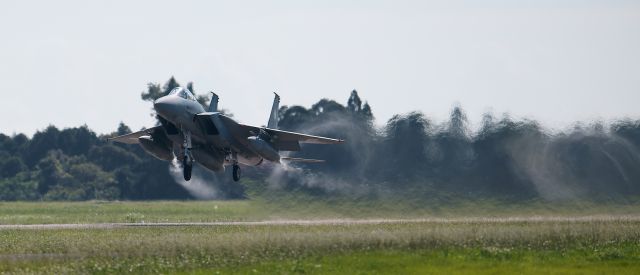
x=189, y=133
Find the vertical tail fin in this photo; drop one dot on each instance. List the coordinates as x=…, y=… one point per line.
x=213, y=106
x=273, y=118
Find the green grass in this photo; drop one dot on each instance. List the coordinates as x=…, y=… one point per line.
x=590, y=246
x=288, y=208
x=111, y=212
x=608, y=243
x=456, y=261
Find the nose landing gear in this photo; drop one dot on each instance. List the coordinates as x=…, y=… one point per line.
x=187, y=167
x=187, y=160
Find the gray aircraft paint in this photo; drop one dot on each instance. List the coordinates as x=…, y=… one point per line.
x=214, y=140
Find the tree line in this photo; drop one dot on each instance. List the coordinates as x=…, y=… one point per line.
x=411, y=155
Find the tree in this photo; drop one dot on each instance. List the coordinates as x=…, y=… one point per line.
x=153, y=92
x=291, y=118
x=452, y=152
x=403, y=150
x=326, y=107
x=77, y=141
x=110, y=157
x=21, y=187
x=41, y=143
x=11, y=166
x=95, y=183
x=169, y=86
x=494, y=170
x=458, y=123
x=354, y=104
x=123, y=129
x=366, y=111
x=51, y=171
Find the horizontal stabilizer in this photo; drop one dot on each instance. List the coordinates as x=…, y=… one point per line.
x=301, y=160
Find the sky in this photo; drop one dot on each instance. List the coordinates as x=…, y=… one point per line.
x=70, y=63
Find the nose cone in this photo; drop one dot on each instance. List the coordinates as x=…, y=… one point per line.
x=166, y=107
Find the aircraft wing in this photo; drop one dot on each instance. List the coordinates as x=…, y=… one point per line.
x=289, y=141
x=133, y=137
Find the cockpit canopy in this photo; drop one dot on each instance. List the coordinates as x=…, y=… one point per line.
x=183, y=92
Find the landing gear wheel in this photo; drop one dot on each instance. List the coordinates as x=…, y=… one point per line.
x=187, y=166
x=236, y=173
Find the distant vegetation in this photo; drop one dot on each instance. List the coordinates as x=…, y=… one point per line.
x=411, y=157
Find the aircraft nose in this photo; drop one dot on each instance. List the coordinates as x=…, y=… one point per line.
x=164, y=107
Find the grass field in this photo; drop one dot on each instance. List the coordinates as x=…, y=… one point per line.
x=288, y=208
x=461, y=241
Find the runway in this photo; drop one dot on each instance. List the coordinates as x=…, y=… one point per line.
x=312, y=222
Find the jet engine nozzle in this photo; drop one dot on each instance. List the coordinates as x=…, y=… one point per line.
x=263, y=148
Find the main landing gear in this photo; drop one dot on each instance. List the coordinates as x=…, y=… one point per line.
x=232, y=157
x=236, y=172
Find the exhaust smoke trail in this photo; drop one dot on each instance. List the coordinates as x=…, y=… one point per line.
x=197, y=186
x=414, y=156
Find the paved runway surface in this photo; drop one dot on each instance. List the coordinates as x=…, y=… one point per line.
x=633, y=218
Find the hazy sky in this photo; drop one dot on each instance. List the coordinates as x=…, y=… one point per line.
x=70, y=63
